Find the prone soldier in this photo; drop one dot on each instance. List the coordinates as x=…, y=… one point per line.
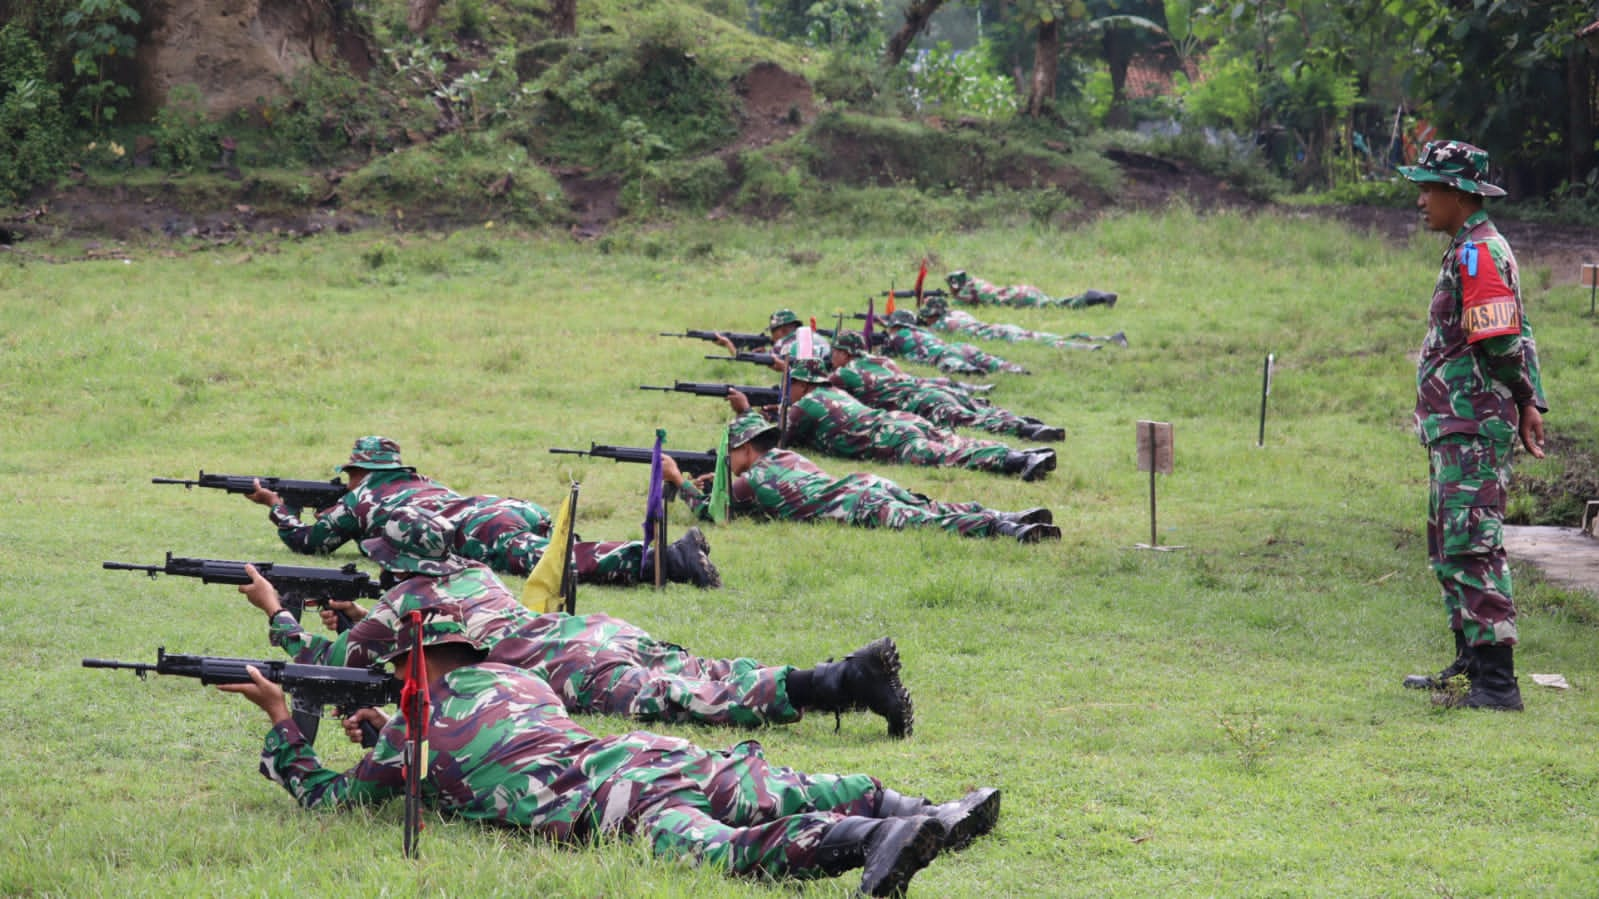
x=904, y=338
x=977, y=292
x=936, y=314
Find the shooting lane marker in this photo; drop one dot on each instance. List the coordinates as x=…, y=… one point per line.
x=1154, y=455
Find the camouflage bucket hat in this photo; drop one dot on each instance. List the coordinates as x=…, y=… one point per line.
x=811, y=371
x=902, y=317
x=782, y=317
x=1457, y=164
x=933, y=308
x=417, y=541
x=747, y=427
x=375, y=454
x=441, y=624
x=852, y=342
x=956, y=279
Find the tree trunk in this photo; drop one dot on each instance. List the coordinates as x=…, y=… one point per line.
x=1046, y=62
x=420, y=14
x=917, y=15
x=1579, y=114
x=563, y=17
x=1118, y=44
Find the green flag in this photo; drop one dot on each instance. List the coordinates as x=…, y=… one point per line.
x=722, y=484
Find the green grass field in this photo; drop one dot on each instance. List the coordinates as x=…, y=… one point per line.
x=1220, y=720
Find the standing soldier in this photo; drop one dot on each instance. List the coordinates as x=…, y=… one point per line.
x=1478, y=388
x=904, y=338
x=879, y=383
x=768, y=482
x=824, y=417
x=509, y=535
x=936, y=314
x=977, y=292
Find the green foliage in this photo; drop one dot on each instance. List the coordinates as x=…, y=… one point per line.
x=634, y=157
x=185, y=137
x=331, y=113
x=33, y=129
x=964, y=83
x=99, y=33
x=459, y=177
x=586, y=96
x=1227, y=97
x=832, y=24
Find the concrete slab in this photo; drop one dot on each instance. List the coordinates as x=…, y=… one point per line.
x=1566, y=556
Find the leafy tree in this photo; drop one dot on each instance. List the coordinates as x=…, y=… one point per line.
x=33, y=132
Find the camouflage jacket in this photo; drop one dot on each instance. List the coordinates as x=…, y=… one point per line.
x=501, y=749
x=365, y=510
x=921, y=345
x=490, y=611
x=1479, y=362
x=978, y=292
x=835, y=422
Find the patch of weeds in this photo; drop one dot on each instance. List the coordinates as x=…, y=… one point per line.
x=1251, y=739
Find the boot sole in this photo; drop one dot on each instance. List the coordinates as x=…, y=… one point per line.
x=886, y=652
x=979, y=819
x=916, y=851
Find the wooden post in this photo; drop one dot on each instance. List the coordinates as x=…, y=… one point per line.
x=1154, y=455
x=1590, y=279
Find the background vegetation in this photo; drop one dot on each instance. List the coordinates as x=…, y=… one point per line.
x=1325, y=97
x=1223, y=719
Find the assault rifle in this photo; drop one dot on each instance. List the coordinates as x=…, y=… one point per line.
x=298, y=586
x=758, y=396
x=312, y=687
x=911, y=294
x=753, y=358
x=689, y=462
x=742, y=340
x=295, y=494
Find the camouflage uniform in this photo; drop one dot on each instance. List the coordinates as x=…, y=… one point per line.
x=936, y=314
x=1478, y=365
x=904, y=338
x=977, y=292
x=787, y=486
x=597, y=664
x=834, y=422
x=509, y=535
x=501, y=750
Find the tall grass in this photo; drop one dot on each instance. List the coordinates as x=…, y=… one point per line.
x=1224, y=719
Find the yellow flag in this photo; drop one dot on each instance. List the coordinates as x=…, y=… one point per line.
x=543, y=591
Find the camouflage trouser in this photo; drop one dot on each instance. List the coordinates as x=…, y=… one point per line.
x=731, y=808
x=1468, y=479
x=948, y=411
x=966, y=519
x=1016, y=334
x=913, y=447
x=608, y=562
x=601, y=665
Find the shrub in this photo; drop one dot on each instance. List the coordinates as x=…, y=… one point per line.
x=33, y=131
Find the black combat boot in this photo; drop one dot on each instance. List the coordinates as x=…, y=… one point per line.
x=1035, y=515
x=867, y=680
x=1493, y=680
x=964, y=819
x=1031, y=466
x=891, y=850
x=1094, y=298
x=1027, y=533
x=688, y=561
x=1119, y=338
x=1041, y=431
x=1457, y=667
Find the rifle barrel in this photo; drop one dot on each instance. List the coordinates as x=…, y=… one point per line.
x=129, y=566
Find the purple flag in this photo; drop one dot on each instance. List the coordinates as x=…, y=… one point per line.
x=654, y=506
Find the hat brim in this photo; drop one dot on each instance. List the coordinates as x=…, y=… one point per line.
x=373, y=466
x=735, y=443
x=1422, y=175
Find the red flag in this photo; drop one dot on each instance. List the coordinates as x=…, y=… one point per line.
x=921, y=276
x=888, y=308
